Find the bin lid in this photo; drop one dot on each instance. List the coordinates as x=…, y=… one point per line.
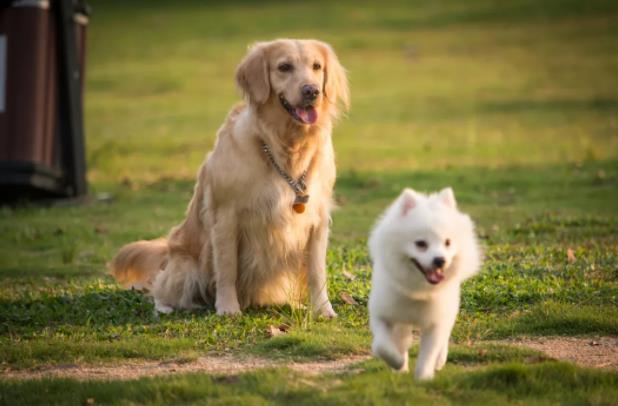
x=44, y=4
x=79, y=6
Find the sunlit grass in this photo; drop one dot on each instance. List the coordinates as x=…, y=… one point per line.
x=513, y=105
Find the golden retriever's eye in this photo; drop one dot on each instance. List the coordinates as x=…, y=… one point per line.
x=421, y=244
x=285, y=67
x=447, y=242
x=317, y=66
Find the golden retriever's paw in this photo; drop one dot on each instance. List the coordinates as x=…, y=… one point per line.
x=228, y=309
x=162, y=308
x=326, y=311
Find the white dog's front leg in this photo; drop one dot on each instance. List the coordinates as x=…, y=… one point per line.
x=402, y=335
x=316, y=270
x=384, y=345
x=443, y=351
x=432, y=342
x=442, y=356
x=225, y=252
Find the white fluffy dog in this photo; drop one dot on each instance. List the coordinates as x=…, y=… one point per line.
x=422, y=249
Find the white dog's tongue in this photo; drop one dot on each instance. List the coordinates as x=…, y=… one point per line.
x=308, y=115
x=434, y=277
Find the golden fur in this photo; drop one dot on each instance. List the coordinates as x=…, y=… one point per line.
x=241, y=244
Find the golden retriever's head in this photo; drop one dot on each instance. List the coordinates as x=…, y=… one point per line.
x=301, y=79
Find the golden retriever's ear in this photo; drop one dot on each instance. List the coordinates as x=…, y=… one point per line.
x=252, y=75
x=335, y=79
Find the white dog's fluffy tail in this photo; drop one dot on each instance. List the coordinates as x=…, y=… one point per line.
x=137, y=263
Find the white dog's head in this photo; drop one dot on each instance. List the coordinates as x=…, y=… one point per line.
x=427, y=239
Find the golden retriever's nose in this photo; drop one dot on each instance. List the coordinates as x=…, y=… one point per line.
x=310, y=92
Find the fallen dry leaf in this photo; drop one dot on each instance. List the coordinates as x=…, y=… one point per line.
x=571, y=256
x=535, y=359
x=126, y=181
x=273, y=331
x=105, y=198
x=347, y=298
x=100, y=229
x=227, y=379
x=348, y=275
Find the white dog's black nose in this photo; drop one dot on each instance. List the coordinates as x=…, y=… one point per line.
x=310, y=92
x=439, y=262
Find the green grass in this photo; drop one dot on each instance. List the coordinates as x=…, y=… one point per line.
x=519, y=378
x=513, y=105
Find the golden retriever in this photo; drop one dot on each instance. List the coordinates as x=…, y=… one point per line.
x=256, y=229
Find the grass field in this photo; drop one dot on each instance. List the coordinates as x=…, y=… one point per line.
x=513, y=104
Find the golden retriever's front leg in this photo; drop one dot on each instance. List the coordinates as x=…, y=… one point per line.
x=317, y=271
x=225, y=252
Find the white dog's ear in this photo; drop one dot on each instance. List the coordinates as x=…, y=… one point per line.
x=447, y=197
x=407, y=201
x=252, y=74
x=335, y=86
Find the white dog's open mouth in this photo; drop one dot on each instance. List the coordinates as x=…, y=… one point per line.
x=433, y=276
x=304, y=114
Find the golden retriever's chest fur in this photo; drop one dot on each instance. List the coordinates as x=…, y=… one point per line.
x=272, y=238
x=274, y=231
x=273, y=241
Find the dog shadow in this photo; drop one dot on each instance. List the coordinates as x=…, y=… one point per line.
x=95, y=309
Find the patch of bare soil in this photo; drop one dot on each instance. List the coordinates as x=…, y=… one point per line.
x=222, y=365
x=593, y=352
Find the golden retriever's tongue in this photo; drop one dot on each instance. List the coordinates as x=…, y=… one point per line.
x=308, y=115
x=434, y=277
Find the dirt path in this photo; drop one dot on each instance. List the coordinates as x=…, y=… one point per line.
x=596, y=352
x=224, y=365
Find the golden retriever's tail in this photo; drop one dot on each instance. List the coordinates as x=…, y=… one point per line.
x=137, y=263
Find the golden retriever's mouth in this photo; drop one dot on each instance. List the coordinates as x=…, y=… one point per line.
x=306, y=114
x=433, y=275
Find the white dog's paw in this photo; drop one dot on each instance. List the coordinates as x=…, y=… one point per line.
x=441, y=361
x=404, y=368
x=390, y=355
x=228, y=309
x=326, y=311
x=423, y=374
x=162, y=308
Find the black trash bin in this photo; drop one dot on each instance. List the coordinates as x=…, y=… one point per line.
x=42, y=55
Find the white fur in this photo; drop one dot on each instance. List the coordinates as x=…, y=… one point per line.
x=402, y=297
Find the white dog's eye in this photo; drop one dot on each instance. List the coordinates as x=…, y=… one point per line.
x=421, y=244
x=447, y=242
x=285, y=67
x=317, y=66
